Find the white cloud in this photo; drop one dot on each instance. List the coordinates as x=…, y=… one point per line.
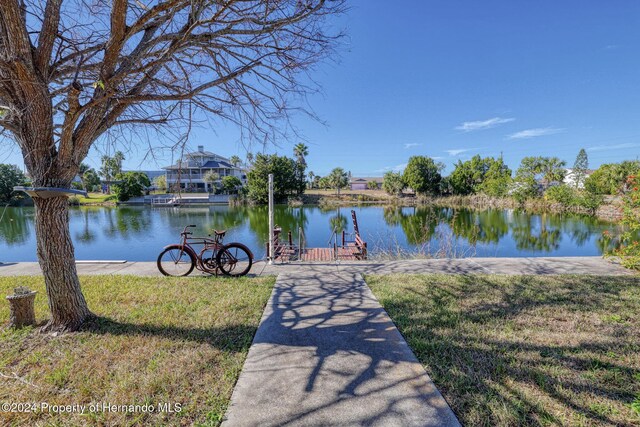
x=396, y=168
x=613, y=147
x=483, y=124
x=411, y=145
x=458, y=151
x=534, y=133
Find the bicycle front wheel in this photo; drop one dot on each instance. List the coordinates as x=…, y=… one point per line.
x=234, y=259
x=175, y=261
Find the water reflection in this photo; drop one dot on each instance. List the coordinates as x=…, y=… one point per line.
x=417, y=223
x=138, y=233
x=338, y=223
x=480, y=226
x=15, y=225
x=535, y=233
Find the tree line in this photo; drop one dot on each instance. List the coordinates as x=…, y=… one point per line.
x=536, y=176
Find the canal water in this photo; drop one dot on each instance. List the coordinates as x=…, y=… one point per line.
x=139, y=233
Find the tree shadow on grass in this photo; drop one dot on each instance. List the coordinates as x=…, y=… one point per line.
x=478, y=372
x=234, y=338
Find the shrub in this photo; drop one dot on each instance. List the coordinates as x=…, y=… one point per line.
x=285, y=181
x=10, y=176
x=132, y=184
x=523, y=189
x=589, y=200
x=231, y=183
x=393, y=184
x=629, y=251
x=561, y=194
x=422, y=174
x=496, y=187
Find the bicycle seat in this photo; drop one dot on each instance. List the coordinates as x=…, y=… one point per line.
x=220, y=233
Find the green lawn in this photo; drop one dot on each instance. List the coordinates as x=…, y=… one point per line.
x=524, y=350
x=156, y=340
x=96, y=198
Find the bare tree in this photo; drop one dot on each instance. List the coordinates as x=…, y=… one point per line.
x=73, y=71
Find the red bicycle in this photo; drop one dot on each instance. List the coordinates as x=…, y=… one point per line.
x=233, y=259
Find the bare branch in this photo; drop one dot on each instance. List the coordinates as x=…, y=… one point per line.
x=48, y=36
x=105, y=65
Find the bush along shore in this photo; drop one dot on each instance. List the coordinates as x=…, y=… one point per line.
x=608, y=208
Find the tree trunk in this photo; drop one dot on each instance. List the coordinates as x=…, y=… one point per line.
x=55, y=254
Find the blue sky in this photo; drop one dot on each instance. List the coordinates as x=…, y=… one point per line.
x=451, y=79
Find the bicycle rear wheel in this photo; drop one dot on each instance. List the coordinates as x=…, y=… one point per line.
x=175, y=261
x=234, y=259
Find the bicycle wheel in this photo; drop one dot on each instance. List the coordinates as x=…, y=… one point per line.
x=234, y=259
x=175, y=261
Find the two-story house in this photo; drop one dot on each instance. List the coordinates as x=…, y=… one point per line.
x=191, y=171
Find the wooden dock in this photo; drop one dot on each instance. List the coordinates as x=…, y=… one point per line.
x=317, y=254
x=340, y=251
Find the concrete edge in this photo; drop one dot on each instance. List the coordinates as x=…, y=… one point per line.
x=252, y=348
x=408, y=347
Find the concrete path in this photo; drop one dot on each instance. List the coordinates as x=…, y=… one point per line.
x=326, y=353
x=549, y=265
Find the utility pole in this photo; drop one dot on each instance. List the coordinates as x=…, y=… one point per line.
x=271, y=237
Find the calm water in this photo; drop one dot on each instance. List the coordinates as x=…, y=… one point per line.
x=139, y=233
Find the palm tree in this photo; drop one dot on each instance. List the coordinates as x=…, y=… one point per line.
x=111, y=166
x=300, y=151
x=211, y=177
x=311, y=175
x=235, y=160
x=338, y=179
x=552, y=169
x=249, y=158
x=81, y=171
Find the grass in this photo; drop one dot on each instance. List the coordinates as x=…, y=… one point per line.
x=346, y=192
x=155, y=341
x=96, y=198
x=524, y=350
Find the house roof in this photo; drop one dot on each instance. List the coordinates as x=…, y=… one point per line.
x=200, y=154
x=217, y=164
x=365, y=179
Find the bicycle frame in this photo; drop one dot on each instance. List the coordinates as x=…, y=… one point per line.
x=187, y=245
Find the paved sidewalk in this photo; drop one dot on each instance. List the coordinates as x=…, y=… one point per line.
x=326, y=353
x=549, y=265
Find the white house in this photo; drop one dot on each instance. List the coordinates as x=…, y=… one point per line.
x=191, y=170
x=570, y=178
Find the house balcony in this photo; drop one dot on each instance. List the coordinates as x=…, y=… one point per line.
x=185, y=177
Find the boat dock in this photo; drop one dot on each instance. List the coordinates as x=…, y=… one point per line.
x=338, y=249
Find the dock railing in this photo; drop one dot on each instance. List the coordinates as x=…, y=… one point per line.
x=302, y=242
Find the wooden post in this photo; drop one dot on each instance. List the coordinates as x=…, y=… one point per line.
x=271, y=221
x=21, y=308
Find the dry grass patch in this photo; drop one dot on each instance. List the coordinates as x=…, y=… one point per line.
x=155, y=341
x=524, y=350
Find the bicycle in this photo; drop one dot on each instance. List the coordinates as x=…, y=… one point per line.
x=233, y=259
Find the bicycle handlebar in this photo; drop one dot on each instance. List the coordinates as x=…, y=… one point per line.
x=185, y=232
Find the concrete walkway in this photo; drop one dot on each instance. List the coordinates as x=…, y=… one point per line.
x=549, y=265
x=326, y=353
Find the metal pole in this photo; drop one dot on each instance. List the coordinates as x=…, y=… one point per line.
x=271, y=237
